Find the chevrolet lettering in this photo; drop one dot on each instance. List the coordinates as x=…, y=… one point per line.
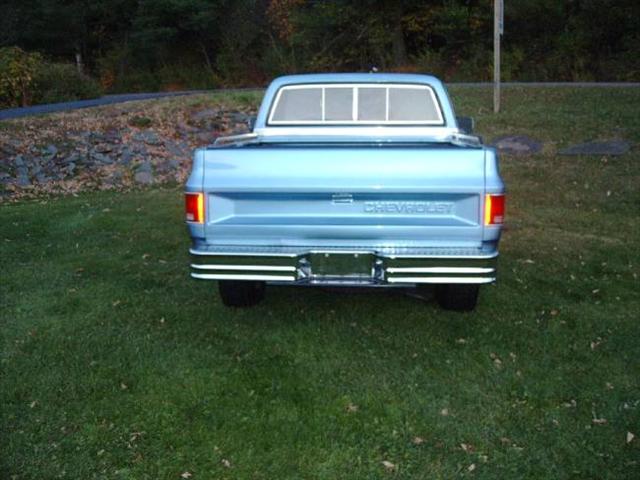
x=434, y=208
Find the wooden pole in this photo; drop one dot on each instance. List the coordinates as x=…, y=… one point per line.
x=497, y=14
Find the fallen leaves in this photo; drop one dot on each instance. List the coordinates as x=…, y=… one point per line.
x=496, y=360
x=595, y=343
x=352, y=408
x=388, y=466
x=186, y=475
x=467, y=447
x=630, y=437
x=417, y=440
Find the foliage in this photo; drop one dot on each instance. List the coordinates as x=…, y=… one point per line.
x=17, y=74
x=164, y=44
x=26, y=78
x=60, y=82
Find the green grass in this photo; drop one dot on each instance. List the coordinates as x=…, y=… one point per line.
x=115, y=365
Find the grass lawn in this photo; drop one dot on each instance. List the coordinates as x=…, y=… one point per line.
x=114, y=364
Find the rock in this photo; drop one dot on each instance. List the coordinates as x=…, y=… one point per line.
x=4, y=177
x=208, y=114
x=23, y=181
x=144, y=167
x=139, y=148
x=103, y=148
x=83, y=159
x=144, y=178
x=168, y=166
x=6, y=150
x=147, y=136
x=207, y=137
x=19, y=161
x=239, y=117
x=112, y=136
x=612, y=147
x=184, y=128
x=73, y=158
x=36, y=168
x=517, y=145
x=51, y=152
x=70, y=168
x=178, y=150
x=238, y=130
x=99, y=157
x=22, y=171
x=114, y=179
x=101, y=140
x=42, y=178
x=126, y=156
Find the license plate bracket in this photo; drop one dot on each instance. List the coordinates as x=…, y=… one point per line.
x=342, y=264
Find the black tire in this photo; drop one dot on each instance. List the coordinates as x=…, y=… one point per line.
x=235, y=293
x=458, y=297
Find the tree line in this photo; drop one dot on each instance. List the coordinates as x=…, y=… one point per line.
x=133, y=45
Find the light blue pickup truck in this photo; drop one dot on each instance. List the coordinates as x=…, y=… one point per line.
x=348, y=180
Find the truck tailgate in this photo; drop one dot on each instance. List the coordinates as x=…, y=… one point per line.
x=367, y=195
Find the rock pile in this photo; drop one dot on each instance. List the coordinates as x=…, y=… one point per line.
x=57, y=154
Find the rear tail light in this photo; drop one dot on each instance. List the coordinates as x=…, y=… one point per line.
x=194, y=206
x=494, y=209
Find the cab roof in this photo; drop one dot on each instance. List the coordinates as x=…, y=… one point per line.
x=356, y=78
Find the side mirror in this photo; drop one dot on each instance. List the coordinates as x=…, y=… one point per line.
x=465, y=124
x=251, y=122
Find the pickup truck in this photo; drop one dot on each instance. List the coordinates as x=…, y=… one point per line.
x=348, y=180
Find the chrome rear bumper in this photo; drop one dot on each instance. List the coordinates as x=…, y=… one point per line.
x=326, y=266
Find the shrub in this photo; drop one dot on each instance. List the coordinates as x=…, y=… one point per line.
x=17, y=74
x=61, y=82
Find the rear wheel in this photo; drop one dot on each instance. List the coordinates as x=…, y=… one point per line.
x=458, y=297
x=235, y=293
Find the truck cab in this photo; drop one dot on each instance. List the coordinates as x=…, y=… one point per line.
x=348, y=180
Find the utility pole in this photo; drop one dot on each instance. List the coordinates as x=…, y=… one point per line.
x=498, y=30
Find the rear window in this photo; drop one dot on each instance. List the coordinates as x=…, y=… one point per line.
x=355, y=104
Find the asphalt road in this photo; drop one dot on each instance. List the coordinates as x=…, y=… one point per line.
x=111, y=99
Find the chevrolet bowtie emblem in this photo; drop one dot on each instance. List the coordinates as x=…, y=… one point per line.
x=342, y=198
